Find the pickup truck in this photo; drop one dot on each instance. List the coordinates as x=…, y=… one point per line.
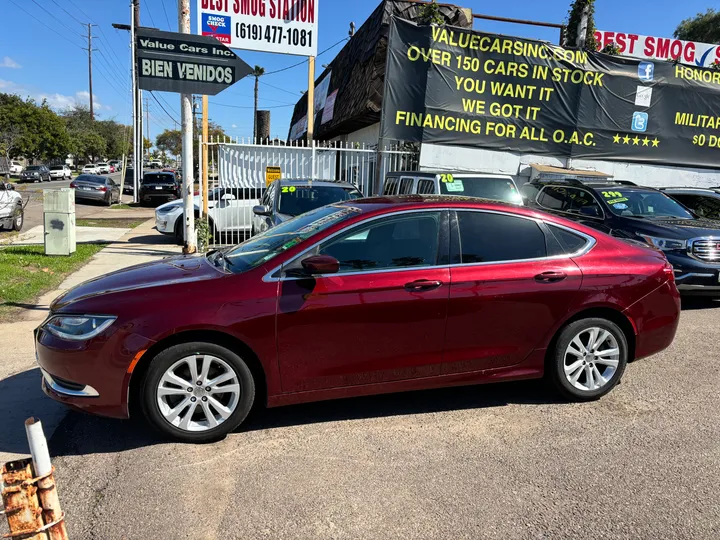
x=12, y=211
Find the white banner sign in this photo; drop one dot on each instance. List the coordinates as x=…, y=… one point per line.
x=278, y=26
x=691, y=53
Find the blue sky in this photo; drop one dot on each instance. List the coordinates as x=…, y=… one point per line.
x=41, y=50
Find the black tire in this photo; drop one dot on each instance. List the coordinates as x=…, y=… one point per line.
x=18, y=218
x=559, y=359
x=108, y=200
x=163, y=361
x=179, y=233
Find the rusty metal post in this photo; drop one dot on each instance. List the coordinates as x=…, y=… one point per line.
x=20, y=499
x=47, y=490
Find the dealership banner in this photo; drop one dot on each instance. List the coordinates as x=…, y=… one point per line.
x=692, y=53
x=277, y=26
x=453, y=86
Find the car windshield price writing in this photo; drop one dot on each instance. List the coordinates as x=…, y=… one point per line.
x=275, y=34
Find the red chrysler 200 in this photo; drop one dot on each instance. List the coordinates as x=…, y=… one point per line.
x=364, y=297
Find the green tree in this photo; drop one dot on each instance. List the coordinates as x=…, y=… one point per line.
x=31, y=130
x=170, y=141
x=704, y=27
x=574, y=18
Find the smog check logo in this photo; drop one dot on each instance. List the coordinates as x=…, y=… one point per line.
x=217, y=26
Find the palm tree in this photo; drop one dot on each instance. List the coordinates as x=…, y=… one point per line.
x=257, y=72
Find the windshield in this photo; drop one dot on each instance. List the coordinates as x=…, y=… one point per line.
x=496, y=189
x=56, y=168
x=296, y=200
x=643, y=204
x=268, y=245
x=91, y=179
x=32, y=168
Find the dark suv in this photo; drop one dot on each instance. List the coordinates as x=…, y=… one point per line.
x=159, y=186
x=625, y=210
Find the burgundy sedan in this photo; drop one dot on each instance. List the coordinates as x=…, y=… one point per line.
x=364, y=297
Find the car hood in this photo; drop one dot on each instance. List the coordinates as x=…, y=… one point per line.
x=681, y=229
x=170, y=271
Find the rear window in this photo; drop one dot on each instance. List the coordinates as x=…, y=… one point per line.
x=157, y=178
x=496, y=189
x=56, y=168
x=296, y=200
x=91, y=179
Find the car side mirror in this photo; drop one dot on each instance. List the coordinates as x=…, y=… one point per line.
x=321, y=264
x=228, y=197
x=261, y=210
x=592, y=211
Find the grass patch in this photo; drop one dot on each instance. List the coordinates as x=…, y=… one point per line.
x=122, y=207
x=26, y=273
x=119, y=223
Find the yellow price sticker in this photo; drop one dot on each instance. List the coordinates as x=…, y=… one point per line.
x=447, y=178
x=289, y=189
x=612, y=194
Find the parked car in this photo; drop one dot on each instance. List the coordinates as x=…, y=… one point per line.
x=103, y=168
x=12, y=210
x=111, y=168
x=702, y=202
x=285, y=199
x=35, y=173
x=60, y=172
x=408, y=294
x=156, y=164
x=129, y=183
x=159, y=186
x=496, y=187
x=229, y=213
x=90, y=168
x=15, y=167
x=96, y=188
x=116, y=164
x=624, y=210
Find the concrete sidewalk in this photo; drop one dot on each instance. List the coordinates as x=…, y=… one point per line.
x=20, y=394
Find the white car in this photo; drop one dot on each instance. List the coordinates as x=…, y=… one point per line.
x=61, y=172
x=230, y=211
x=91, y=168
x=12, y=213
x=104, y=168
x=15, y=167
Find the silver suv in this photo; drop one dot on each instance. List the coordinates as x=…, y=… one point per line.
x=496, y=187
x=11, y=208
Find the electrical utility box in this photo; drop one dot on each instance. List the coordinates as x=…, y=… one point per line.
x=59, y=215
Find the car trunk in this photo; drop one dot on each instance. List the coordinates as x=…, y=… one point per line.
x=90, y=187
x=159, y=186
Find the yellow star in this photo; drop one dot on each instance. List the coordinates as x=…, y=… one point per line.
x=626, y=139
x=655, y=143
x=616, y=139
x=636, y=140
x=646, y=141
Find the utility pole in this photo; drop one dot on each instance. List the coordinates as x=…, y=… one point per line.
x=187, y=144
x=311, y=100
x=147, y=123
x=90, y=50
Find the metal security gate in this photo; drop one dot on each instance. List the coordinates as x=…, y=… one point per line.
x=238, y=171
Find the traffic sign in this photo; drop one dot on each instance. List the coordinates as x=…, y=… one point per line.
x=185, y=63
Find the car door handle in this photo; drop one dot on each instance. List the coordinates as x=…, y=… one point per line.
x=550, y=277
x=423, y=285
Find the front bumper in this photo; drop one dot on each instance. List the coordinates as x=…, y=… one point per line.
x=166, y=223
x=694, y=277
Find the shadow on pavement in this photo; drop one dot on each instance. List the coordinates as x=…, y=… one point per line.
x=151, y=239
x=690, y=303
x=80, y=434
x=20, y=398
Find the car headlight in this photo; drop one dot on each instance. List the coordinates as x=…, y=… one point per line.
x=666, y=244
x=78, y=328
x=169, y=209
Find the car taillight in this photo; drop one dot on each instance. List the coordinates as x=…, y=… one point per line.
x=669, y=271
x=101, y=188
x=73, y=185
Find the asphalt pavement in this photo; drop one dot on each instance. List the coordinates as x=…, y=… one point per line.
x=498, y=461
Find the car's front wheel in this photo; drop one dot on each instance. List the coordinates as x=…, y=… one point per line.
x=18, y=218
x=589, y=359
x=197, y=392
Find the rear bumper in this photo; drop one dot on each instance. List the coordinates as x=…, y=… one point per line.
x=91, y=195
x=656, y=318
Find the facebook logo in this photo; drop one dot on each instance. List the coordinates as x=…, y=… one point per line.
x=646, y=71
x=639, y=121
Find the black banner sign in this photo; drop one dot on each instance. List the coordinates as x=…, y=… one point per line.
x=185, y=63
x=453, y=86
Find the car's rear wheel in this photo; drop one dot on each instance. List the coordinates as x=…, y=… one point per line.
x=589, y=359
x=197, y=392
x=18, y=218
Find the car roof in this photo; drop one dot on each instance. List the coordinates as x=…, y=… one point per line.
x=593, y=185
x=457, y=174
x=307, y=181
x=709, y=191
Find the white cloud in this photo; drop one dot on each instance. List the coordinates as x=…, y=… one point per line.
x=9, y=63
x=233, y=126
x=56, y=101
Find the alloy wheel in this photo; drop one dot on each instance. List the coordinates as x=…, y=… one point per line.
x=591, y=359
x=198, y=393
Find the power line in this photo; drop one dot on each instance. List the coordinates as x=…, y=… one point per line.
x=278, y=88
x=250, y=107
x=305, y=61
x=66, y=11
x=53, y=16
x=163, y=108
x=162, y=3
x=44, y=24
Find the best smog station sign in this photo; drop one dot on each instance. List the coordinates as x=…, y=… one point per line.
x=277, y=26
x=692, y=53
x=185, y=63
x=453, y=86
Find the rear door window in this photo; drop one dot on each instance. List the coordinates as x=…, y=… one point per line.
x=570, y=200
x=707, y=207
x=571, y=242
x=487, y=237
x=392, y=183
x=426, y=187
x=406, y=186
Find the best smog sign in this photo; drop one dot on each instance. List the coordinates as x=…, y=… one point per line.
x=185, y=63
x=691, y=53
x=277, y=26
